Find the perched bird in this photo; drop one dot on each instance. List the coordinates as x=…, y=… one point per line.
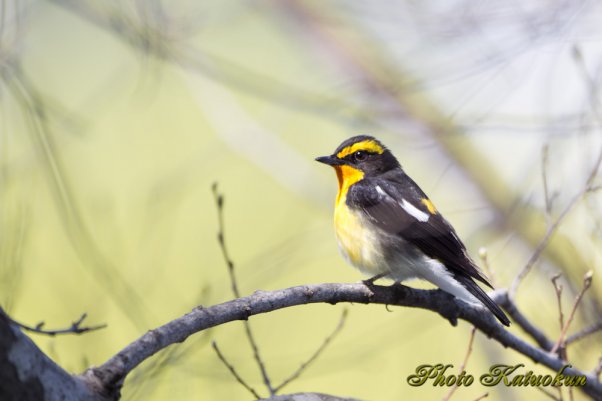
x=387, y=227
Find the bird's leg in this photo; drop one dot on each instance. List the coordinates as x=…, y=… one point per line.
x=369, y=282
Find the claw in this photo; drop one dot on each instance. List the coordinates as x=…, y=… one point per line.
x=369, y=282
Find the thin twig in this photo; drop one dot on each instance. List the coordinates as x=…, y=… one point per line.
x=257, y=357
x=233, y=371
x=219, y=202
x=584, y=333
x=315, y=355
x=561, y=347
x=544, y=242
x=544, y=178
x=463, y=366
x=587, y=188
x=75, y=328
x=484, y=256
x=587, y=282
x=558, y=291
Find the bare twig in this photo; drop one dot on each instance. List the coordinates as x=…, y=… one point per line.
x=552, y=228
x=219, y=202
x=315, y=355
x=544, y=242
x=463, y=366
x=560, y=346
x=233, y=371
x=114, y=371
x=594, y=328
x=558, y=291
x=258, y=359
x=544, y=178
x=75, y=328
x=484, y=256
x=28, y=373
x=587, y=282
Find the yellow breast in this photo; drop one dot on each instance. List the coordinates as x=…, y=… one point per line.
x=357, y=238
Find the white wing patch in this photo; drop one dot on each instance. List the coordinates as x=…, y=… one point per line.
x=414, y=211
x=435, y=272
x=407, y=206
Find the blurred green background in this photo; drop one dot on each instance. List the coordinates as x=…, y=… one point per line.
x=117, y=116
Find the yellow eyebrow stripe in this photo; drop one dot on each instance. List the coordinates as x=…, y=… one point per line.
x=368, y=145
x=429, y=205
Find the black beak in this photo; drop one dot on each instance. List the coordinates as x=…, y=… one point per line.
x=330, y=160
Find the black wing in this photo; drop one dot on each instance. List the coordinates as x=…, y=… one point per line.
x=383, y=200
x=397, y=205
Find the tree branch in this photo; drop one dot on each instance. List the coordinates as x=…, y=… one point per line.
x=26, y=373
x=316, y=353
x=587, y=282
x=463, y=366
x=522, y=321
x=75, y=328
x=545, y=240
x=585, y=332
x=233, y=371
x=219, y=203
x=113, y=372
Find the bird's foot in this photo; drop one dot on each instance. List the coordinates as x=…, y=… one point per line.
x=370, y=282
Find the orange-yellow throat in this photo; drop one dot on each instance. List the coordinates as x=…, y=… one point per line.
x=347, y=176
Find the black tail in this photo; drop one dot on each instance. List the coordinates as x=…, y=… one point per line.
x=479, y=294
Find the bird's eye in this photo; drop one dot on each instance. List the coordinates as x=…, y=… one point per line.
x=360, y=156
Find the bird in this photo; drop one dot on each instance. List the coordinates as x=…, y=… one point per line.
x=386, y=226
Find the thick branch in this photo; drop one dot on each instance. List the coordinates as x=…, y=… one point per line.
x=114, y=371
x=27, y=374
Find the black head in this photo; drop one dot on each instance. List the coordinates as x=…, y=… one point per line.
x=364, y=153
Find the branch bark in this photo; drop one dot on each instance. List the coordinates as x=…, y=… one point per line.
x=113, y=372
x=308, y=397
x=27, y=374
